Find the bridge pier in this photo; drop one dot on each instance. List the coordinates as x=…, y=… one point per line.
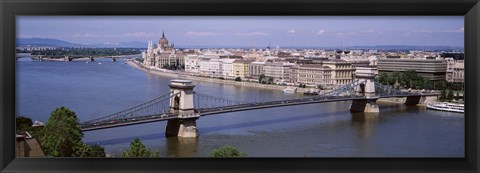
x=186, y=128
x=414, y=100
x=181, y=103
x=364, y=105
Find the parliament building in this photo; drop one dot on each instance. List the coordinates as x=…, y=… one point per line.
x=162, y=55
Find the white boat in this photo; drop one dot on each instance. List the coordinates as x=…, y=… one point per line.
x=289, y=90
x=450, y=107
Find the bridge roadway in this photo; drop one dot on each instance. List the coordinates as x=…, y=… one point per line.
x=232, y=108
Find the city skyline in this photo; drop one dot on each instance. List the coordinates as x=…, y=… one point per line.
x=258, y=31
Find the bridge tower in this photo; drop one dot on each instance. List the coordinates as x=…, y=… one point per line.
x=366, y=76
x=181, y=103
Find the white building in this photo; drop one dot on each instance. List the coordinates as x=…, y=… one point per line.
x=215, y=68
x=192, y=64
x=227, y=68
x=204, y=66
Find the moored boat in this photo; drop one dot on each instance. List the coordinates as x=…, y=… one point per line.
x=450, y=107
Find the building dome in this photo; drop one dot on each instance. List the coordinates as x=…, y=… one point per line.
x=163, y=41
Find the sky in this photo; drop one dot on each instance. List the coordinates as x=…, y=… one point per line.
x=283, y=31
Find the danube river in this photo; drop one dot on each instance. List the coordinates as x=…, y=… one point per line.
x=99, y=88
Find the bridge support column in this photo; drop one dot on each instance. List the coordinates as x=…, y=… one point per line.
x=364, y=105
x=414, y=100
x=186, y=128
x=181, y=103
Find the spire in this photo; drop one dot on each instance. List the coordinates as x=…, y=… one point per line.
x=163, y=33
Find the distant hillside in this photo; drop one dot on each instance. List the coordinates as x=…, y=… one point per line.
x=46, y=42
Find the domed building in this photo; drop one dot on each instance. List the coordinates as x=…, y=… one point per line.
x=163, y=42
x=163, y=55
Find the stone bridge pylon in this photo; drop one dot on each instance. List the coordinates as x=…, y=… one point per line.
x=366, y=77
x=182, y=103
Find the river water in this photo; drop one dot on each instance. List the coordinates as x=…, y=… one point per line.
x=93, y=89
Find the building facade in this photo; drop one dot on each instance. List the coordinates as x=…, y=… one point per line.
x=255, y=69
x=455, y=71
x=342, y=71
x=280, y=72
x=311, y=74
x=162, y=55
x=432, y=69
x=227, y=68
x=240, y=68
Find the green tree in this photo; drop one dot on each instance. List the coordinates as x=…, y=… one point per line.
x=23, y=124
x=83, y=150
x=238, y=79
x=443, y=94
x=166, y=66
x=137, y=149
x=450, y=95
x=227, y=151
x=61, y=134
x=261, y=79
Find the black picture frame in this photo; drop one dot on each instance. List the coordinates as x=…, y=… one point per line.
x=10, y=8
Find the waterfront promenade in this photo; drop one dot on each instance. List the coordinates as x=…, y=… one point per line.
x=183, y=75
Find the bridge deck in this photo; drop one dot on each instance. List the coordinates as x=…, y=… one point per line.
x=233, y=108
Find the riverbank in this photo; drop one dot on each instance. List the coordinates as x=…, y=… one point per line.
x=182, y=75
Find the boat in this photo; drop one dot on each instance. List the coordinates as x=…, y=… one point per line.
x=289, y=90
x=450, y=107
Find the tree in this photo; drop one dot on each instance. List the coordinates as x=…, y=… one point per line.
x=443, y=94
x=23, y=124
x=166, y=66
x=450, y=95
x=137, y=149
x=238, y=79
x=227, y=151
x=83, y=150
x=261, y=79
x=62, y=133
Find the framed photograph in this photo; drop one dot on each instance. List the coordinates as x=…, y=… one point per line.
x=239, y=86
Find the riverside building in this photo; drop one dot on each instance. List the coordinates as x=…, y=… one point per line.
x=312, y=74
x=432, y=69
x=162, y=54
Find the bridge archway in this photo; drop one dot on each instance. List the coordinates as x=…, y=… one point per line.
x=176, y=103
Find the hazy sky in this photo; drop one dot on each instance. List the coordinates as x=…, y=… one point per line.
x=250, y=31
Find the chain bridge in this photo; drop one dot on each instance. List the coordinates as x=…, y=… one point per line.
x=182, y=106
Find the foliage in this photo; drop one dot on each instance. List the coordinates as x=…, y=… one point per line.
x=62, y=136
x=166, y=66
x=23, y=124
x=227, y=151
x=302, y=85
x=410, y=79
x=443, y=95
x=137, y=149
x=450, y=95
x=83, y=150
x=61, y=133
x=261, y=78
x=265, y=79
x=139, y=59
x=238, y=79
